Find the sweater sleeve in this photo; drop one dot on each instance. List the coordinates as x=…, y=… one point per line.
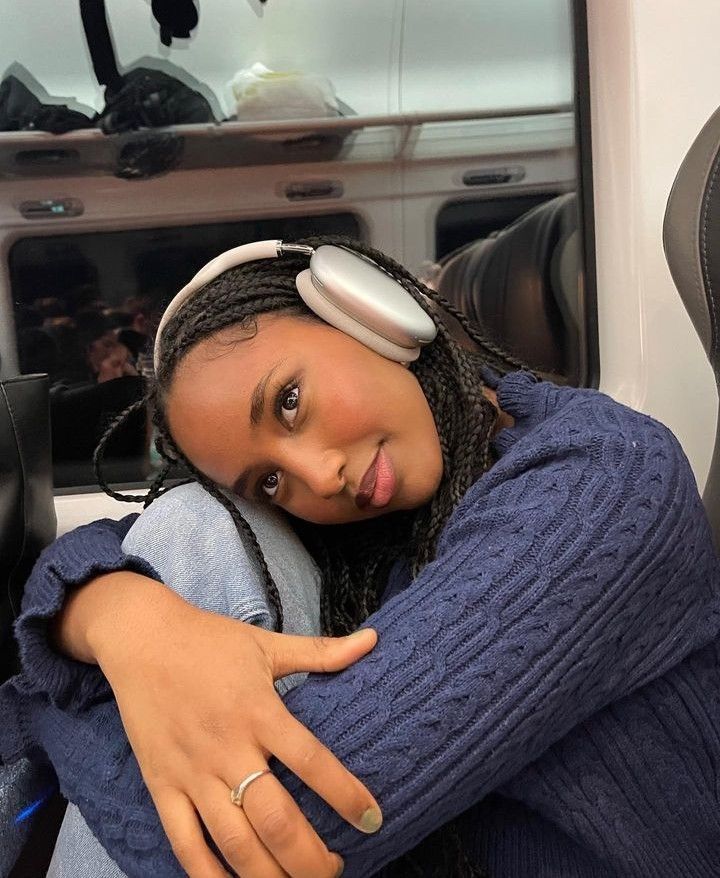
x=70, y=561
x=577, y=569
x=575, y=572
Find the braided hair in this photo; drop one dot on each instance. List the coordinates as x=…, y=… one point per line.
x=354, y=559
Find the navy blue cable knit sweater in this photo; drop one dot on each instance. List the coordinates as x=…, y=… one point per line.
x=554, y=673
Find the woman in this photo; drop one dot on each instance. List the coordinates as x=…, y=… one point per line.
x=550, y=613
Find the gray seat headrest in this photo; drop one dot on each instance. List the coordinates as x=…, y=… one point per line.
x=521, y=286
x=691, y=235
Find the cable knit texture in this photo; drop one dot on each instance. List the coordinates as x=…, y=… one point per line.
x=553, y=673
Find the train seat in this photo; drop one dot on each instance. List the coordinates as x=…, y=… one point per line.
x=523, y=285
x=691, y=237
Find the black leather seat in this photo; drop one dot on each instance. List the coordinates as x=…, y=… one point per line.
x=523, y=285
x=27, y=511
x=691, y=237
x=27, y=525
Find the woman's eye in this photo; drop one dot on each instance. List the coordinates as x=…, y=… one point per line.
x=270, y=484
x=289, y=402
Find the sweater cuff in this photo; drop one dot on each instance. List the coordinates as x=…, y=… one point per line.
x=71, y=561
x=516, y=393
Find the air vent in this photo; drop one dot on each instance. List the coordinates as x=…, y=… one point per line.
x=494, y=176
x=312, y=189
x=46, y=158
x=51, y=208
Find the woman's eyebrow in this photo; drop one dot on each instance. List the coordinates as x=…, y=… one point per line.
x=257, y=401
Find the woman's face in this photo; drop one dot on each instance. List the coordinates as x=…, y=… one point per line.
x=303, y=416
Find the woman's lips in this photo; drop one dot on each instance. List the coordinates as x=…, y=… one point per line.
x=378, y=484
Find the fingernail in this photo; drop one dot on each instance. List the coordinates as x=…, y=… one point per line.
x=359, y=633
x=340, y=870
x=371, y=820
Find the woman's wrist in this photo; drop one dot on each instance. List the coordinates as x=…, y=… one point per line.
x=104, y=614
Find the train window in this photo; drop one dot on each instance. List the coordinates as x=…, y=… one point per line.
x=85, y=307
x=444, y=134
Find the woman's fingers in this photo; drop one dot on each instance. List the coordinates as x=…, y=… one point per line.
x=198, y=720
x=286, y=833
x=318, y=768
x=234, y=835
x=182, y=828
x=290, y=653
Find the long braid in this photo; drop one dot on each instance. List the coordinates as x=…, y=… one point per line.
x=99, y=452
x=354, y=559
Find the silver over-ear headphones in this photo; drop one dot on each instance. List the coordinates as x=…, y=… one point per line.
x=344, y=288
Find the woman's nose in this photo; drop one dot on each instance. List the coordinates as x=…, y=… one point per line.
x=324, y=473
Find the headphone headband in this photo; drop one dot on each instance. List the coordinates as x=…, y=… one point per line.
x=344, y=288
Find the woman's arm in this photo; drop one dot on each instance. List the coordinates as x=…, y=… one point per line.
x=505, y=643
x=128, y=624
x=122, y=596
x=562, y=583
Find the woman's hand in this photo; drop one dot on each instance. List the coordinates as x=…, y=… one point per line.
x=196, y=695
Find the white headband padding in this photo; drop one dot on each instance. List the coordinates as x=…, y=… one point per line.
x=333, y=315
x=223, y=262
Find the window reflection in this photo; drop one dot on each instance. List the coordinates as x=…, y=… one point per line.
x=86, y=309
x=443, y=134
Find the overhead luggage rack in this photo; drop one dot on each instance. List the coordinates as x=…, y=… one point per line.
x=87, y=152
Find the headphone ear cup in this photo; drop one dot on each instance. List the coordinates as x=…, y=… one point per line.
x=329, y=312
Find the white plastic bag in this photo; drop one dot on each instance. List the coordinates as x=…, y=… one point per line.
x=261, y=94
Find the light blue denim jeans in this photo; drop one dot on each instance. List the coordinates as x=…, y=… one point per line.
x=193, y=544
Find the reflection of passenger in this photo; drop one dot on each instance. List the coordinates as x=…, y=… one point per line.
x=142, y=309
x=103, y=357
x=117, y=363
x=91, y=354
x=106, y=356
x=549, y=612
x=92, y=379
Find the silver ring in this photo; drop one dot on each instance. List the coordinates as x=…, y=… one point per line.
x=238, y=793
